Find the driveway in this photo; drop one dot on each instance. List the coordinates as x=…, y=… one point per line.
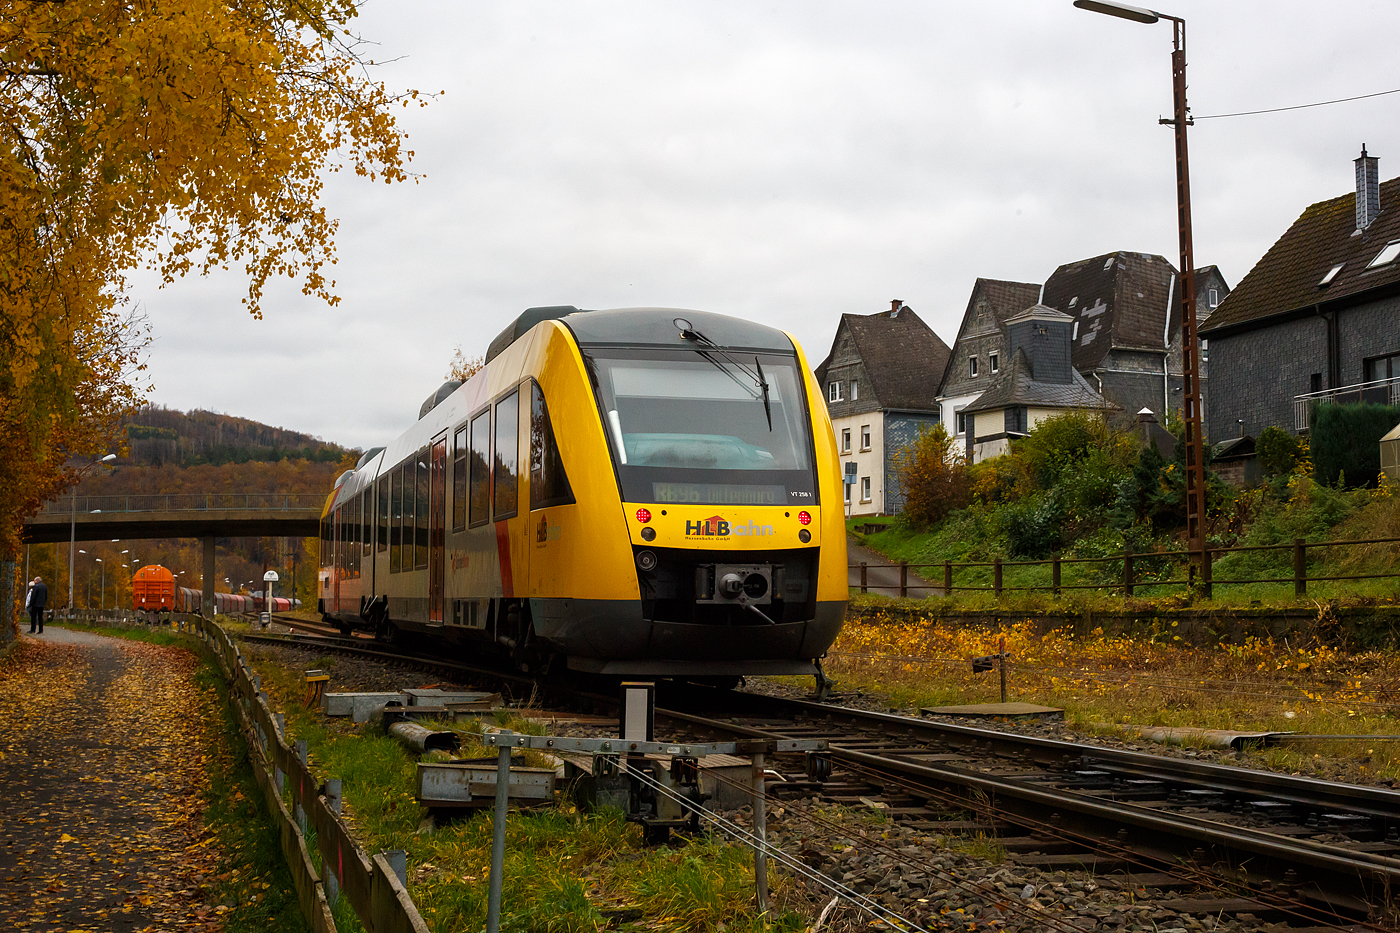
x=882, y=574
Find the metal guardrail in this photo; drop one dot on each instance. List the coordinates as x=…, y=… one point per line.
x=1381, y=391
x=185, y=502
x=1200, y=572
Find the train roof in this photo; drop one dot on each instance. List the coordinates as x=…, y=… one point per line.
x=644, y=327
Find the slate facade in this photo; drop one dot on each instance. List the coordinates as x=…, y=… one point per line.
x=1318, y=315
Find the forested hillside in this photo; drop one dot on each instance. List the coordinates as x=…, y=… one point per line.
x=192, y=453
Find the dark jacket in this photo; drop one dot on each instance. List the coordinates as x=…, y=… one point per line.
x=39, y=598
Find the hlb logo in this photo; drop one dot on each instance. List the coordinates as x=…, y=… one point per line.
x=714, y=527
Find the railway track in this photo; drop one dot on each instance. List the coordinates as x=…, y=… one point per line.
x=1216, y=839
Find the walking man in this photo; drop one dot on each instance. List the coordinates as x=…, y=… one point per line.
x=38, y=598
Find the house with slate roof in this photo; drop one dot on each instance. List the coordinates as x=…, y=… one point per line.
x=979, y=351
x=881, y=383
x=1038, y=382
x=1126, y=335
x=1316, y=319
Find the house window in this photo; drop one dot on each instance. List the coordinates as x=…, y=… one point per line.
x=855, y=390
x=1387, y=255
x=1213, y=297
x=996, y=362
x=1205, y=351
x=972, y=365
x=1315, y=383
x=833, y=391
x=1331, y=274
x=865, y=437
x=962, y=422
x=847, y=488
x=1382, y=367
x=845, y=440
x=865, y=489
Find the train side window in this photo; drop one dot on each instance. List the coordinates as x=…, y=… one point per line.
x=420, y=511
x=396, y=522
x=549, y=484
x=507, y=488
x=367, y=520
x=480, y=497
x=459, y=479
x=382, y=540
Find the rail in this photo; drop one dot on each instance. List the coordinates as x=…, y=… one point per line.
x=1380, y=391
x=185, y=502
x=1199, y=572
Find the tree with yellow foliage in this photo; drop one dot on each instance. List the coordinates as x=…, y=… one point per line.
x=179, y=135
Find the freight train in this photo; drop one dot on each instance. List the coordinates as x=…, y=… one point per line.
x=153, y=589
x=634, y=492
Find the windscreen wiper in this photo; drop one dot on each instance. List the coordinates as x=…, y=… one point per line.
x=690, y=333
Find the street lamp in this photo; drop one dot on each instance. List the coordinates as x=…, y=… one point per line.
x=1190, y=346
x=102, y=588
x=73, y=527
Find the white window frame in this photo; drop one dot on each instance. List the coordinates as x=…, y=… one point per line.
x=1390, y=252
x=855, y=390
x=960, y=420
x=995, y=360
x=1213, y=297
x=845, y=440
x=865, y=437
x=833, y=391
x=971, y=367
x=865, y=489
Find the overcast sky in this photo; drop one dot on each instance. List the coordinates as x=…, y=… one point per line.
x=786, y=162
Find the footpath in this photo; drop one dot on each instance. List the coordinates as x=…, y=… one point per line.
x=882, y=574
x=102, y=780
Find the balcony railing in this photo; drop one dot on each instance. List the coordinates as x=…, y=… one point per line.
x=272, y=502
x=1381, y=391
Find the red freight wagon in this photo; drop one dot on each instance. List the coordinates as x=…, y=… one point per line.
x=153, y=589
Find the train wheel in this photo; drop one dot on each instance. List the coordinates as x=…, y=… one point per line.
x=388, y=633
x=345, y=629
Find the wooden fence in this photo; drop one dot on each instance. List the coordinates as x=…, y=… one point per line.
x=1199, y=571
x=373, y=886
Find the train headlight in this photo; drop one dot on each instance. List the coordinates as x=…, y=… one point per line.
x=804, y=536
x=646, y=560
x=648, y=533
x=804, y=517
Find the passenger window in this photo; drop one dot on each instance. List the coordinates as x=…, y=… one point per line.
x=367, y=520
x=481, y=468
x=382, y=542
x=459, y=479
x=420, y=512
x=507, y=490
x=549, y=485
x=396, y=523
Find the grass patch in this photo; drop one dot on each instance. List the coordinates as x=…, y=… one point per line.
x=563, y=870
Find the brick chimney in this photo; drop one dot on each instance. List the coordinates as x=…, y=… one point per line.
x=895, y=306
x=1368, y=190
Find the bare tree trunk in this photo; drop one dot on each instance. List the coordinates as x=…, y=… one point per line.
x=8, y=630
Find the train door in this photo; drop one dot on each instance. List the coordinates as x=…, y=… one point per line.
x=336, y=551
x=437, y=513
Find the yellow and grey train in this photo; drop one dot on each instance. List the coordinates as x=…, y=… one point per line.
x=633, y=492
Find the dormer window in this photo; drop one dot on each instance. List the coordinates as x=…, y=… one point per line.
x=1331, y=274
x=1212, y=297
x=855, y=390
x=996, y=362
x=1387, y=255
x=833, y=391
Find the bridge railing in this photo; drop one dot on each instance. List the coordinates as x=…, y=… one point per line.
x=186, y=502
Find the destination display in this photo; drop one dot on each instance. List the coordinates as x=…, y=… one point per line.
x=719, y=493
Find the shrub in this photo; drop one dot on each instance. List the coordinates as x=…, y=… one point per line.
x=932, y=477
x=1035, y=526
x=1277, y=451
x=1345, y=442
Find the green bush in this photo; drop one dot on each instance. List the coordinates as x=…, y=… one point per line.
x=1277, y=451
x=1034, y=526
x=1346, y=442
x=932, y=477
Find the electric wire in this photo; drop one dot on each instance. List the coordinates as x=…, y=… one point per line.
x=872, y=907
x=1321, y=103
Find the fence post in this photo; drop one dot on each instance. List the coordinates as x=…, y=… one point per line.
x=498, y=835
x=1300, y=568
x=947, y=578
x=903, y=579
x=1055, y=573
x=297, y=811
x=996, y=575
x=331, y=880
x=1127, y=571
x=864, y=582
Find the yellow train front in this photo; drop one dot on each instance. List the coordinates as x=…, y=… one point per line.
x=635, y=492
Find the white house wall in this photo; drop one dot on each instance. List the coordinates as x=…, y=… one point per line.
x=870, y=462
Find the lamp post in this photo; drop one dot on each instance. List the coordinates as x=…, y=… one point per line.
x=102, y=588
x=73, y=528
x=1190, y=346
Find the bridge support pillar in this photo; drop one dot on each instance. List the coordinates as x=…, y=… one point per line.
x=209, y=577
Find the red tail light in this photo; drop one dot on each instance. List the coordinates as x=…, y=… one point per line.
x=643, y=515
x=804, y=518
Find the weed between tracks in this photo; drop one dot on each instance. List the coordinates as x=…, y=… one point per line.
x=1102, y=680
x=565, y=871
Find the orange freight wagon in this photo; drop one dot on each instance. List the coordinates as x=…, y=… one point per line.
x=153, y=589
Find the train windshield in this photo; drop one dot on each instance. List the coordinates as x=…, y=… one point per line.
x=700, y=428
